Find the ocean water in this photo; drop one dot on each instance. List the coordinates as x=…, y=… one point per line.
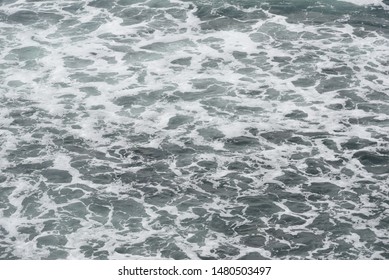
x=174, y=129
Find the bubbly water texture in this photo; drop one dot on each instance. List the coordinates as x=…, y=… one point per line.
x=235, y=129
x=365, y=2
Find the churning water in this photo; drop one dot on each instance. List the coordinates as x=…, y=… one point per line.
x=225, y=129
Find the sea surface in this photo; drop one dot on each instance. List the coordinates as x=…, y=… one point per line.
x=174, y=129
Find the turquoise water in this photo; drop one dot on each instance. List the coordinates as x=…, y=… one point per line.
x=134, y=129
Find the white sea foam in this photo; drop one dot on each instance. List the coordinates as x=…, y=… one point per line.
x=363, y=2
x=368, y=2
x=190, y=134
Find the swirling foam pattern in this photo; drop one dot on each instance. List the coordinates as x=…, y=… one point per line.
x=194, y=129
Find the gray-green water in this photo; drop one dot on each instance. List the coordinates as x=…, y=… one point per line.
x=194, y=129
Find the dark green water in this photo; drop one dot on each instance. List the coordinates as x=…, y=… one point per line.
x=194, y=129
